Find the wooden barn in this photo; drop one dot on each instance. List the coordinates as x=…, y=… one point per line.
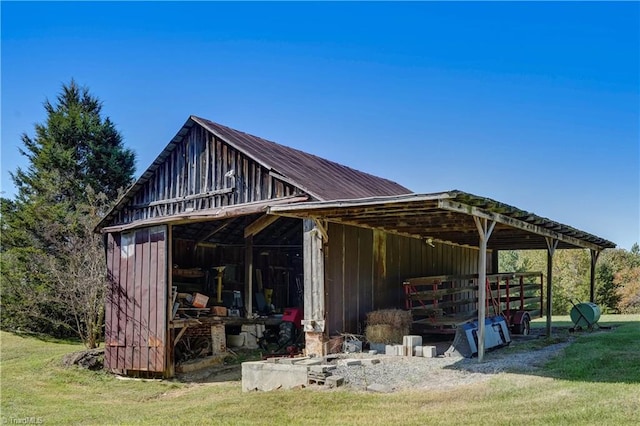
x=245, y=228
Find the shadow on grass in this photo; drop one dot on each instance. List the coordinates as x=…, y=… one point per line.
x=44, y=337
x=610, y=355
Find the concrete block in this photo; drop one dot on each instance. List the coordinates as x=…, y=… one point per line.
x=412, y=341
x=389, y=350
x=370, y=361
x=417, y=351
x=250, y=340
x=291, y=360
x=351, y=362
x=334, y=381
x=373, y=352
x=322, y=368
x=308, y=362
x=218, y=339
x=266, y=376
x=429, y=351
x=399, y=350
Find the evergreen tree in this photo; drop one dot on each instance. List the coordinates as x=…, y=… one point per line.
x=76, y=161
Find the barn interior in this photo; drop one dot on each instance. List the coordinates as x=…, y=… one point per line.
x=210, y=262
x=202, y=251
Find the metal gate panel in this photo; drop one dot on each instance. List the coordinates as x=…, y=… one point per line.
x=136, y=311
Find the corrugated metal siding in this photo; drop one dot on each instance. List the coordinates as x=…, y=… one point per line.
x=136, y=306
x=365, y=269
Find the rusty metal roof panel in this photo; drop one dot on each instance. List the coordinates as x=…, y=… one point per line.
x=321, y=178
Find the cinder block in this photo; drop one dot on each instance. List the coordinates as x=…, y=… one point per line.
x=370, y=361
x=321, y=368
x=265, y=376
x=309, y=362
x=399, y=350
x=389, y=350
x=417, y=351
x=291, y=360
x=429, y=351
x=351, y=362
x=334, y=381
x=250, y=340
x=412, y=341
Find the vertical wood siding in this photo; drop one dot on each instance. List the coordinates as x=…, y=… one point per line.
x=365, y=270
x=202, y=172
x=135, y=313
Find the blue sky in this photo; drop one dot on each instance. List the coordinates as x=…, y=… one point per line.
x=534, y=104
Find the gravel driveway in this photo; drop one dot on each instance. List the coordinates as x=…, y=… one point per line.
x=393, y=373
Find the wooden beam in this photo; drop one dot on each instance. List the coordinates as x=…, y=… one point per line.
x=186, y=198
x=248, y=276
x=592, y=278
x=514, y=223
x=214, y=232
x=314, y=296
x=208, y=214
x=485, y=228
x=259, y=225
x=551, y=248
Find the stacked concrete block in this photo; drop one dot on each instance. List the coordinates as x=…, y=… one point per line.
x=410, y=342
x=218, y=339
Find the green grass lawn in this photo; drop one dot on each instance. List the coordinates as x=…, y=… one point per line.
x=595, y=381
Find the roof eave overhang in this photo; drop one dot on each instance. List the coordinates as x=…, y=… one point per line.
x=389, y=214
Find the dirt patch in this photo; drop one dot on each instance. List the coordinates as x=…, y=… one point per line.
x=92, y=359
x=216, y=374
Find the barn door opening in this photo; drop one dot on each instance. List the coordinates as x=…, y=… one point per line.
x=136, y=305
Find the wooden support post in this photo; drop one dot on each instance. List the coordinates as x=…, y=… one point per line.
x=594, y=258
x=248, y=275
x=552, y=244
x=314, y=297
x=484, y=231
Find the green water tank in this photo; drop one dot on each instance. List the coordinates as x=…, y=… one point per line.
x=585, y=314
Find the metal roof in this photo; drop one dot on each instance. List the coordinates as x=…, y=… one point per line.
x=321, y=178
x=447, y=217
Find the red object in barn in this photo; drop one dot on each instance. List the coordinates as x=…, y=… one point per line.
x=293, y=315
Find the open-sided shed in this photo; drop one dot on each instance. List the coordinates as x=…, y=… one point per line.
x=307, y=232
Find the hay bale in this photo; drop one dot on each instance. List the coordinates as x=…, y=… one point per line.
x=387, y=326
x=395, y=317
x=383, y=333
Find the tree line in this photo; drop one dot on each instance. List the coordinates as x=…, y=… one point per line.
x=52, y=263
x=617, y=283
